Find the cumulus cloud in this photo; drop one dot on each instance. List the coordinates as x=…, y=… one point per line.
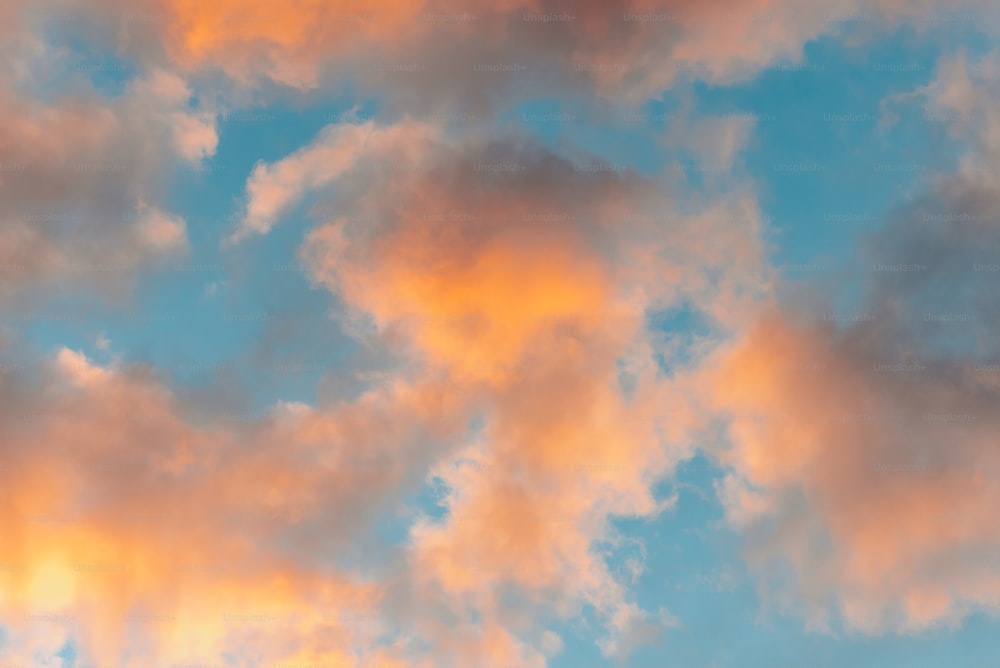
x=863, y=453
x=523, y=277
x=180, y=550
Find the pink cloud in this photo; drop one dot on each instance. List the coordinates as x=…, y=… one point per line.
x=862, y=452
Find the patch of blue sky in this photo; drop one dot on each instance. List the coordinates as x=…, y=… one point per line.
x=836, y=149
x=68, y=654
x=249, y=308
x=824, y=169
x=694, y=570
x=580, y=636
x=681, y=330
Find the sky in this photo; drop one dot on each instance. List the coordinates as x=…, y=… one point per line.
x=527, y=333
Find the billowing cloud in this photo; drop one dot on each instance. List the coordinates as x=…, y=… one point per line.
x=627, y=48
x=864, y=456
x=512, y=284
x=206, y=538
x=514, y=287
x=523, y=277
x=426, y=53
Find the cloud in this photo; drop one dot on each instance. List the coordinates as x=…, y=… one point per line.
x=427, y=54
x=522, y=278
x=863, y=459
x=80, y=178
x=511, y=282
x=207, y=538
x=271, y=189
x=225, y=537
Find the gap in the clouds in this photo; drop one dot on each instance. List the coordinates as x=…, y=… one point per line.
x=431, y=500
x=681, y=329
x=830, y=158
x=68, y=654
x=241, y=327
x=817, y=149
x=246, y=315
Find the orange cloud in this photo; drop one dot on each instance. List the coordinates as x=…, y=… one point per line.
x=524, y=278
x=514, y=280
x=861, y=449
x=136, y=532
x=592, y=42
x=871, y=476
x=422, y=52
